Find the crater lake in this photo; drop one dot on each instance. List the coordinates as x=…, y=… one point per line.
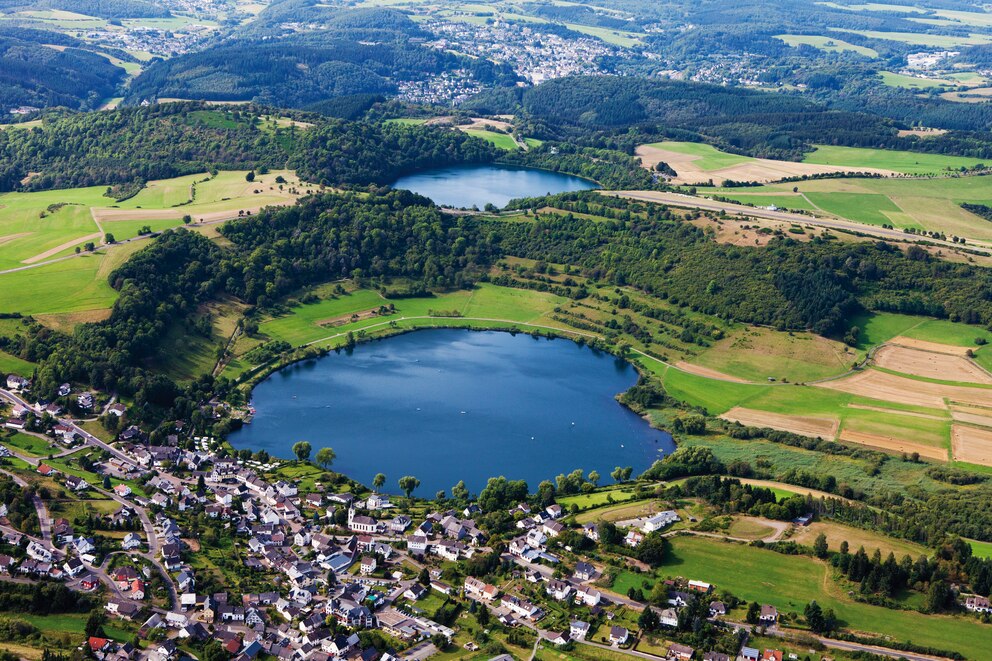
x=446, y=405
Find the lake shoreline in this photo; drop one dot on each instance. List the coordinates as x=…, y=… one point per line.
x=665, y=442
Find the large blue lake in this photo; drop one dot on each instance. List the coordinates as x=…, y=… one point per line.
x=478, y=185
x=448, y=405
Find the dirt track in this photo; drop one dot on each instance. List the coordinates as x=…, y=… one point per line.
x=708, y=373
x=825, y=428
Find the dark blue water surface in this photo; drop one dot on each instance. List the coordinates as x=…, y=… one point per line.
x=447, y=405
x=478, y=185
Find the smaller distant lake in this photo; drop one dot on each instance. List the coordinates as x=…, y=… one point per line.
x=478, y=185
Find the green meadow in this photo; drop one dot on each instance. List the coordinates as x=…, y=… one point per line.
x=790, y=582
x=931, y=204
x=893, y=79
x=923, y=39
x=828, y=44
x=709, y=157
x=908, y=162
x=501, y=140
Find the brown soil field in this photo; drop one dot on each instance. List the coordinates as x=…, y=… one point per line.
x=758, y=170
x=66, y=321
x=931, y=365
x=973, y=418
x=797, y=424
x=837, y=533
x=745, y=232
x=347, y=318
x=971, y=444
x=921, y=133
x=708, y=373
x=934, y=347
x=904, y=390
x=890, y=444
x=111, y=215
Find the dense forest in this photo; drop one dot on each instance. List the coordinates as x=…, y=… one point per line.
x=35, y=75
x=169, y=140
x=789, y=285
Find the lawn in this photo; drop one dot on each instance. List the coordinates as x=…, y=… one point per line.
x=29, y=445
x=828, y=44
x=888, y=159
x=790, y=582
x=12, y=364
x=618, y=512
x=597, y=498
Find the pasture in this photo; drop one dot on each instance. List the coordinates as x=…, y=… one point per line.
x=827, y=44
x=923, y=39
x=39, y=229
x=790, y=582
x=931, y=204
x=907, y=162
x=699, y=163
x=893, y=79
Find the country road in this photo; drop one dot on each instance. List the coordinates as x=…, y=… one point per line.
x=706, y=204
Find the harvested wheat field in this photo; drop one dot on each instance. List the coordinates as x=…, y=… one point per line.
x=931, y=365
x=904, y=390
x=803, y=425
x=983, y=420
x=699, y=370
x=971, y=444
x=890, y=444
x=694, y=168
x=923, y=345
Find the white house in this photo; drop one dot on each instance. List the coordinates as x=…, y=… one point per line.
x=660, y=520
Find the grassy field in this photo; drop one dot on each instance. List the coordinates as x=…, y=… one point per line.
x=893, y=79
x=888, y=159
x=922, y=39
x=828, y=44
x=931, y=204
x=13, y=365
x=709, y=157
x=981, y=549
x=856, y=537
x=36, y=228
x=790, y=582
x=597, y=498
x=328, y=321
x=29, y=445
x=756, y=354
x=501, y=140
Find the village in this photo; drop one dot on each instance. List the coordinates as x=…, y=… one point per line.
x=329, y=566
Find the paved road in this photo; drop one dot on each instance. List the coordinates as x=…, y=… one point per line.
x=691, y=202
